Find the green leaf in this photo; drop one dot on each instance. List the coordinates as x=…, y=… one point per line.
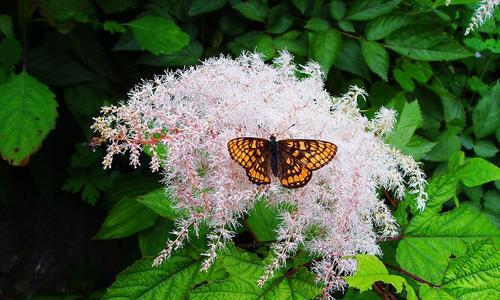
x=351, y=60
x=376, y=58
x=6, y=26
x=116, y=6
x=175, y=277
x=346, y=26
x=263, y=221
x=454, y=112
x=301, y=5
x=337, y=9
x=158, y=35
x=370, y=270
x=113, y=27
x=385, y=25
x=409, y=119
x=362, y=10
x=420, y=71
x=421, y=44
x=253, y=41
x=62, y=13
x=317, y=24
x=325, y=47
x=290, y=42
x=254, y=10
x=431, y=237
x=159, y=202
x=153, y=239
x=485, y=148
x=199, y=7
x=89, y=181
x=447, y=143
x=126, y=218
x=28, y=114
x=478, y=86
x=417, y=147
x=486, y=114
x=187, y=56
x=280, y=19
x=244, y=270
x=10, y=52
x=403, y=79
x=478, y=171
x=474, y=275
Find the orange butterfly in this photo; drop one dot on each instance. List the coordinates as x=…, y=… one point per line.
x=292, y=160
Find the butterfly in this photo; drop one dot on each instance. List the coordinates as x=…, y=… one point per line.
x=291, y=160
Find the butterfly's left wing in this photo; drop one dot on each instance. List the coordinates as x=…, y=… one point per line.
x=313, y=154
x=292, y=173
x=253, y=155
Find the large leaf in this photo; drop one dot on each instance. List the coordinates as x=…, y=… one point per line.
x=27, y=114
x=478, y=171
x=409, y=119
x=432, y=237
x=173, y=279
x=126, y=218
x=430, y=45
x=254, y=9
x=159, y=202
x=203, y=6
x=362, y=10
x=158, y=35
x=244, y=270
x=486, y=114
x=376, y=58
x=189, y=55
x=385, y=25
x=370, y=270
x=351, y=60
x=325, y=46
x=263, y=221
x=253, y=41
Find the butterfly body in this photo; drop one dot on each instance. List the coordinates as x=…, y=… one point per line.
x=291, y=160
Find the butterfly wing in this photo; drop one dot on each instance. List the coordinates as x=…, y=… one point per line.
x=313, y=154
x=253, y=155
x=292, y=172
x=298, y=158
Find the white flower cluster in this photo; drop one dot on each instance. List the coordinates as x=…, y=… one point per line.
x=195, y=112
x=484, y=11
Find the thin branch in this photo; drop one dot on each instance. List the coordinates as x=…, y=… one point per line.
x=388, y=239
x=413, y=276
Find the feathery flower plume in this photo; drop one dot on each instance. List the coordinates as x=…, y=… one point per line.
x=195, y=112
x=484, y=11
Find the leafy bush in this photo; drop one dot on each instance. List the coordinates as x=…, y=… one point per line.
x=60, y=61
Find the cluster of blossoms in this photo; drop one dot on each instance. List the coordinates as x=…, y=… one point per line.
x=195, y=112
x=484, y=11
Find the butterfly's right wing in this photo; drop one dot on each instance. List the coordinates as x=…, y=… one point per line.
x=253, y=155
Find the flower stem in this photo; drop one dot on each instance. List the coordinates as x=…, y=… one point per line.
x=413, y=276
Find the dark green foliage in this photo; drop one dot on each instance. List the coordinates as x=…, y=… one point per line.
x=61, y=60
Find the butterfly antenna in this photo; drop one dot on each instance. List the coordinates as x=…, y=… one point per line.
x=260, y=127
x=285, y=130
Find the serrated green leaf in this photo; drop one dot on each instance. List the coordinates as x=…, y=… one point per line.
x=351, y=60
x=403, y=79
x=426, y=45
x=370, y=270
x=159, y=202
x=280, y=19
x=62, y=13
x=253, y=41
x=254, y=10
x=153, y=239
x=454, y=111
x=478, y=86
x=291, y=43
x=317, y=24
x=337, y=9
x=417, y=147
x=346, y=26
x=174, y=278
x=325, y=47
x=485, y=148
x=431, y=237
x=113, y=27
x=420, y=71
x=376, y=58
x=478, y=171
x=245, y=269
x=409, y=119
x=385, y=25
x=263, y=221
x=187, y=56
x=362, y=10
x=199, y=7
x=448, y=143
x=126, y=218
x=28, y=114
x=486, y=114
x=158, y=35
x=301, y=5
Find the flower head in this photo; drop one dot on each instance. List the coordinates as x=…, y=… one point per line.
x=195, y=112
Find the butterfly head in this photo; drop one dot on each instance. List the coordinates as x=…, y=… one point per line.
x=272, y=138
